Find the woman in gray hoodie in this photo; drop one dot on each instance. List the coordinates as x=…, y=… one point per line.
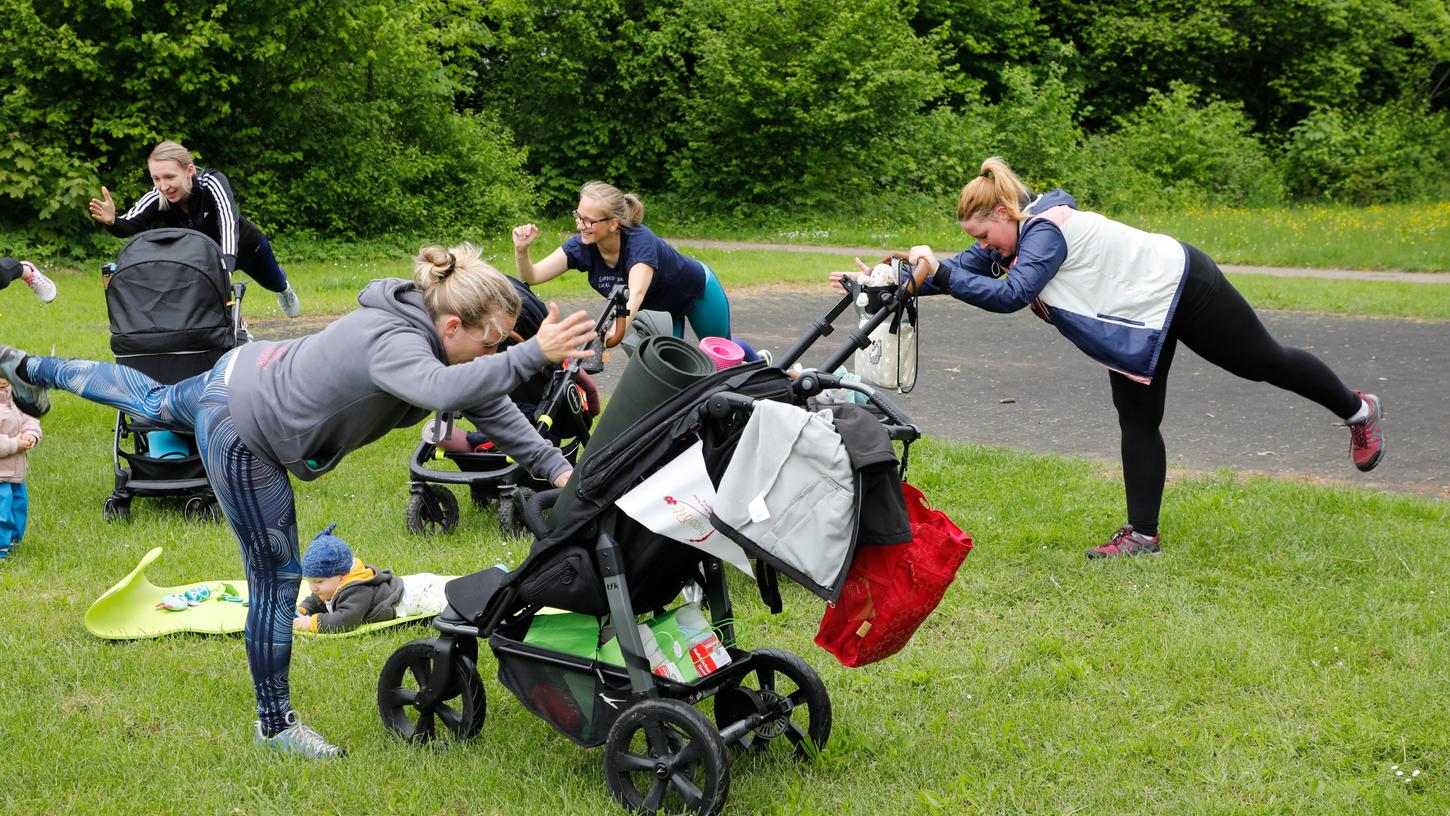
x=270, y=409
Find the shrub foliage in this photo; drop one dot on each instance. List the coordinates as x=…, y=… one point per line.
x=378, y=117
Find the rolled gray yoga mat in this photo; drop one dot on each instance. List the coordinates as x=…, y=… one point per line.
x=661, y=367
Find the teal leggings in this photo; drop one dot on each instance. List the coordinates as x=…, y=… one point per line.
x=709, y=315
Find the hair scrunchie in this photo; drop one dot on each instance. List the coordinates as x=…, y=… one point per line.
x=452, y=264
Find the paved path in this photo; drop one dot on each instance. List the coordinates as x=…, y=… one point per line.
x=868, y=253
x=1011, y=380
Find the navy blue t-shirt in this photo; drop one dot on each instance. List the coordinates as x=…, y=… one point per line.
x=678, y=280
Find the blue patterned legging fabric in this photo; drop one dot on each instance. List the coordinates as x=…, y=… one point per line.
x=255, y=495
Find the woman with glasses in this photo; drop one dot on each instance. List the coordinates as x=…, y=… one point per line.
x=613, y=247
x=269, y=411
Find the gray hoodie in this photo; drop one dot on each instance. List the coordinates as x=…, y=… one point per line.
x=305, y=404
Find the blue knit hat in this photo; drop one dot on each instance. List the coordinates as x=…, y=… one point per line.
x=327, y=556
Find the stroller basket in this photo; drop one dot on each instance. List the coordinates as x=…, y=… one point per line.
x=574, y=694
x=581, y=697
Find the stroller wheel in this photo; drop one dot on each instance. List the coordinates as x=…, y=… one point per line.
x=662, y=755
x=404, y=680
x=788, y=691
x=511, y=513
x=483, y=496
x=432, y=509
x=116, y=509
x=202, y=507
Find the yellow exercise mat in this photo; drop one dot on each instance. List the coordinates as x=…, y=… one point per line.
x=129, y=611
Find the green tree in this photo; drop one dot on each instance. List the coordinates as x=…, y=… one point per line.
x=335, y=118
x=790, y=101
x=593, y=88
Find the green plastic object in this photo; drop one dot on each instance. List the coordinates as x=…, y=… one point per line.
x=128, y=611
x=567, y=632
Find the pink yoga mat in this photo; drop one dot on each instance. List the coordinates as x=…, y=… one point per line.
x=723, y=353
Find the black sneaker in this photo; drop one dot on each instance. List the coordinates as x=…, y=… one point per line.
x=32, y=399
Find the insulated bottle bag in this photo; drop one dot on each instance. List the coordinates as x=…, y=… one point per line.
x=889, y=590
x=890, y=360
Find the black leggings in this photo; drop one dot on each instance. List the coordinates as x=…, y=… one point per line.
x=1216, y=322
x=10, y=271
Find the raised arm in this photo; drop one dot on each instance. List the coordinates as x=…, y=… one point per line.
x=529, y=272
x=141, y=216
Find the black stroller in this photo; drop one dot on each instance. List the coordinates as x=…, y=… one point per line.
x=661, y=752
x=561, y=400
x=174, y=312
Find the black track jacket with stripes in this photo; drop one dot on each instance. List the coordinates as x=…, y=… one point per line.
x=210, y=209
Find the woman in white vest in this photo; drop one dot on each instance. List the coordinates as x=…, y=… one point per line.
x=1126, y=298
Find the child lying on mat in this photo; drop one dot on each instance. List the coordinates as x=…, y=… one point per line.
x=346, y=593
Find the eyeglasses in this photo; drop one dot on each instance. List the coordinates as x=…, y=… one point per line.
x=488, y=348
x=585, y=221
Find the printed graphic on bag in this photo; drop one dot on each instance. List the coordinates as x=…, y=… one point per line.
x=708, y=655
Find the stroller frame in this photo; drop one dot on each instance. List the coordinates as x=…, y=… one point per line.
x=200, y=502
x=492, y=477
x=683, y=755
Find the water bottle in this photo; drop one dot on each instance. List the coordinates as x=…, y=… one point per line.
x=705, y=650
x=658, y=662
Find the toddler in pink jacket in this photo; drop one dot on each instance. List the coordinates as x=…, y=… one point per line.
x=18, y=434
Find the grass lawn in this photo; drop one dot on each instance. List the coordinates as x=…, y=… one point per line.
x=1288, y=653
x=331, y=286
x=1411, y=237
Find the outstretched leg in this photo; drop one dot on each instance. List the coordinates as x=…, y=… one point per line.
x=170, y=406
x=261, y=264
x=709, y=315
x=1216, y=322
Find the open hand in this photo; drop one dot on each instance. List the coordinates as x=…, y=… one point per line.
x=861, y=270
x=103, y=209
x=563, y=338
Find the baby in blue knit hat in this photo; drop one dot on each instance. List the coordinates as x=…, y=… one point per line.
x=346, y=593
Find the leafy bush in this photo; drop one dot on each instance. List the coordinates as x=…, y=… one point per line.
x=788, y=101
x=1394, y=152
x=1177, y=151
x=1032, y=126
x=336, y=119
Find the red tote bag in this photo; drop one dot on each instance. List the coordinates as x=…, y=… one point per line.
x=890, y=589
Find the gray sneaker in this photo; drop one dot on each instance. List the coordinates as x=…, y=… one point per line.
x=298, y=739
x=32, y=399
x=290, y=303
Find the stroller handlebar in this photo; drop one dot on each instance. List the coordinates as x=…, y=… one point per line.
x=812, y=382
x=720, y=406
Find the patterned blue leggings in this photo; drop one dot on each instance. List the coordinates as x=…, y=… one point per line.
x=256, y=497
